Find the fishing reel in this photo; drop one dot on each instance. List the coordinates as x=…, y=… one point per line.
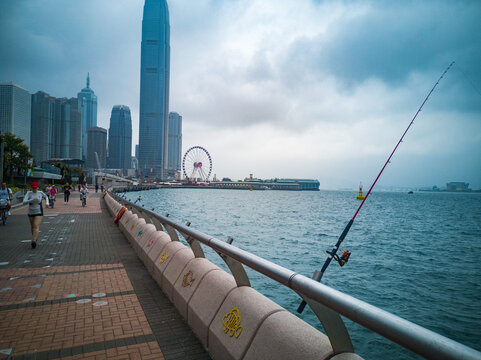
x=343, y=259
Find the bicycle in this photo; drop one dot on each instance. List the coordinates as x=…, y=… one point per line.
x=3, y=211
x=83, y=198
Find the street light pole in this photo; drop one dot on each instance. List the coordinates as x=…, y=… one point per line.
x=1, y=157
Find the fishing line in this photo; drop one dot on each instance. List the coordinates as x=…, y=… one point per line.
x=345, y=256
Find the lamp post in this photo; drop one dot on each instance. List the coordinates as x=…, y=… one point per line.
x=1, y=157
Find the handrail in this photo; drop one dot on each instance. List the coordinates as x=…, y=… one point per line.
x=419, y=340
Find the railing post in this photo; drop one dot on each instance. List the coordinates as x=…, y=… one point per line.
x=236, y=268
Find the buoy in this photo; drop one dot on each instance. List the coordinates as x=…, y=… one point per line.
x=119, y=214
x=360, y=196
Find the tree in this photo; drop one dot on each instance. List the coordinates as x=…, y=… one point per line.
x=16, y=155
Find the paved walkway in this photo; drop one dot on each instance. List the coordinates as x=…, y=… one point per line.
x=83, y=293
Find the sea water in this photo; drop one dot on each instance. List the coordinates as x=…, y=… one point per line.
x=414, y=255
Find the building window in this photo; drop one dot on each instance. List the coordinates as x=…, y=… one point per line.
x=151, y=70
x=152, y=42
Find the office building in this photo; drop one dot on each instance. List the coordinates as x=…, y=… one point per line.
x=175, y=144
x=96, y=148
x=154, y=89
x=67, y=129
x=43, y=116
x=15, y=111
x=89, y=113
x=120, y=138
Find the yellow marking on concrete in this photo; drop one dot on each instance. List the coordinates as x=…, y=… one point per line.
x=163, y=258
x=188, y=279
x=232, y=322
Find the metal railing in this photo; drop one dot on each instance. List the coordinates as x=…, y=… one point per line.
x=327, y=300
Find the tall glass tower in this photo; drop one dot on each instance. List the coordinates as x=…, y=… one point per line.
x=175, y=144
x=120, y=138
x=89, y=113
x=154, y=89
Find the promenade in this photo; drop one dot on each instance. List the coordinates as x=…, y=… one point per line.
x=83, y=293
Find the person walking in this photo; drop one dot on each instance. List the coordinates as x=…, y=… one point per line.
x=97, y=187
x=66, y=193
x=52, y=194
x=35, y=210
x=102, y=187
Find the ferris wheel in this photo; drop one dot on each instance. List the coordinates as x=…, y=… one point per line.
x=197, y=164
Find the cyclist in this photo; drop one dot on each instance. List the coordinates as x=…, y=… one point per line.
x=6, y=196
x=83, y=194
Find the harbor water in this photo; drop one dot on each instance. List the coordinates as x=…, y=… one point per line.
x=414, y=255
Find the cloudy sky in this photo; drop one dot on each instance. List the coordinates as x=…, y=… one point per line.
x=290, y=88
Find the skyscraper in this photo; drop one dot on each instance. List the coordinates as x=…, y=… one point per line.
x=15, y=111
x=96, y=143
x=175, y=143
x=43, y=116
x=120, y=138
x=89, y=113
x=154, y=88
x=67, y=129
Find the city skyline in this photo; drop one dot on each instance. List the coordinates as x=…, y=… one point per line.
x=308, y=89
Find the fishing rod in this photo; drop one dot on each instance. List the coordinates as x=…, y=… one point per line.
x=346, y=254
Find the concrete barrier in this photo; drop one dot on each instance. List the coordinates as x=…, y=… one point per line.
x=237, y=321
x=206, y=301
x=142, y=236
x=188, y=281
x=283, y=335
x=159, y=241
x=165, y=257
x=129, y=220
x=174, y=270
x=133, y=231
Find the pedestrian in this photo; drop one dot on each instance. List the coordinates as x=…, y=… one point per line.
x=35, y=210
x=52, y=194
x=6, y=195
x=97, y=187
x=79, y=187
x=66, y=193
x=102, y=187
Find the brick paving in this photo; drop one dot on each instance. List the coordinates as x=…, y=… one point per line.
x=83, y=293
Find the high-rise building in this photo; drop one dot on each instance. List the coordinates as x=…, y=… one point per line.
x=67, y=129
x=120, y=138
x=43, y=117
x=96, y=148
x=154, y=88
x=89, y=113
x=175, y=143
x=15, y=111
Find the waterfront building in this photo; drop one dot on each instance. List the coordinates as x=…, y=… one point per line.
x=96, y=148
x=175, y=144
x=154, y=88
x=15, y=111
x=120, y=138
x=457, y=186
x=43, y=117
x=89, y=113
x=67, y=129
